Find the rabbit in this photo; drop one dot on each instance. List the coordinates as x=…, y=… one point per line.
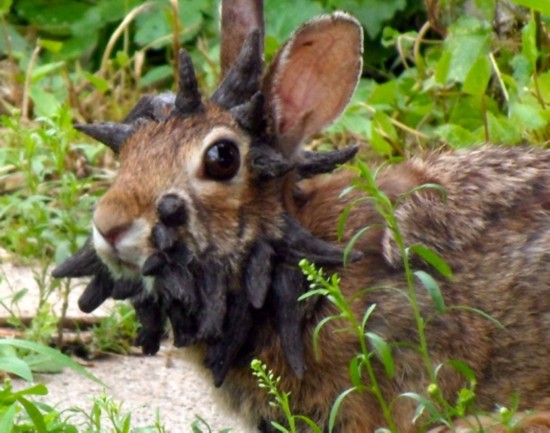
x=215, y=203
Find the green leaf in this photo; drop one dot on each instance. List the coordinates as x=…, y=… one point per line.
x=478, y=77
x=45, y=104
x=463, y=369
x=383, y=351
x=52, y=353
x=34, y=414
x=543, y=6
x=155, y=75
x=529, y=43
x=51, y=46
x=16, y=366
x=468, y=39
x=527, y=116
x=433, y=290
x=455, y=135
x=99, y=83
x=433, y=259
x=336, y=407
x=442, y=68
x=5, y=6
x=7, y=419
x=373, y=14
x=41, y=71
x=501, y=130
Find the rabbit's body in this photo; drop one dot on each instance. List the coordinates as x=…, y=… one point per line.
x=211, y=213
x=493, y=230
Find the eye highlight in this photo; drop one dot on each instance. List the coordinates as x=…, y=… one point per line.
x=222, y=160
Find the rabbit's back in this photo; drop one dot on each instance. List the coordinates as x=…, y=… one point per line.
x=492, y=226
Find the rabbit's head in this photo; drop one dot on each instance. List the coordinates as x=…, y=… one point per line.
x=214, y=173
x=204, y=211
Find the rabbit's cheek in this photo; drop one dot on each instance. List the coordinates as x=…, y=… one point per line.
x=125, y=254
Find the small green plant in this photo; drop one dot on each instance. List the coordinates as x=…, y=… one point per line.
x=281, y=399
x=116, y=332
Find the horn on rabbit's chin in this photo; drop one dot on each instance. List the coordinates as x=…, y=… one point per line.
x=188, y=99
x=242, y=81
x=113, y=135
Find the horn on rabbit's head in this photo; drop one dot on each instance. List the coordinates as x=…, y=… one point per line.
x=188, y=99
x=243, y=79
x=111, y=134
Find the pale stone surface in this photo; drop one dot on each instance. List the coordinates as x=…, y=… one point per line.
x=172, y=382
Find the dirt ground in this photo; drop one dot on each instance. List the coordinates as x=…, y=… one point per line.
x=172, y=382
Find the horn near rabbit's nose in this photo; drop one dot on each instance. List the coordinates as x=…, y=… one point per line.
x=172, y=211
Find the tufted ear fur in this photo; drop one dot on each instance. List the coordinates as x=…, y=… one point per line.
x=238, y=19
x=313, y=77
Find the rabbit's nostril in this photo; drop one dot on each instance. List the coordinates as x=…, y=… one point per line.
x=113, y=236
x=171, y=210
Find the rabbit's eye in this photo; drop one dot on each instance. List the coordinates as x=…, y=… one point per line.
x=222, y=160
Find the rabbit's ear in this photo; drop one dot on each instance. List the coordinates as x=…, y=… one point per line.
x=238, y=19
x=313, y=77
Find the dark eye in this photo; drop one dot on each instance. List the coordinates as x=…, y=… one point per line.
x=222, y=160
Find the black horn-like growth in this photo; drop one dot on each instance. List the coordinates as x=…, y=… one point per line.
x=243, y=79
x=188, y=99
x=113, y=135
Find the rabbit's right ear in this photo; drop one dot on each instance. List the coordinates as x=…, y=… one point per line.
x=313, y=77
x=238, y=19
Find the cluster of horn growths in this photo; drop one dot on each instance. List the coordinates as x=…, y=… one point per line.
x=190, y=292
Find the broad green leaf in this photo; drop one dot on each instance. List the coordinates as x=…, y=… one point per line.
x=155, y=75
x=433, y=259
x=52, y=46
x=45, y=104
x=468, y=39
x=487, y=7
x=38, y=389
x=384, y=95
x=5, y=6
x=16, y=366
x=502, y=131
x=433, y=290
x=527, y=116
x=41, y=71
x=442, y=68
x=455, y=135
x=373, y=14
x=99, y=83
x=478, y=76
x=6, y=421
x=543, y=6
x=383, y=352
x=54, y=354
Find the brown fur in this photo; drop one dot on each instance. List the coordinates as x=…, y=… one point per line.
x=502, y=269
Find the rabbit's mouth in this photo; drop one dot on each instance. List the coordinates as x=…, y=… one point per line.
x=123, y=251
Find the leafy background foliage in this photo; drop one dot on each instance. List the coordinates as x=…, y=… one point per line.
x=437, y=74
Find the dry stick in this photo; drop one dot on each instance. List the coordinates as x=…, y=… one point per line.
x=16, y=95
x=175, y=33
x=26, y=88
x=116, y=34
x=68, y=322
